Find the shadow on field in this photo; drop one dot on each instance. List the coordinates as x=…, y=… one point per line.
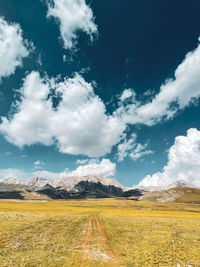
x=11, y=195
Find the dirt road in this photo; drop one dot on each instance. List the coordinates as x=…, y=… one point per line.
x=96, y=249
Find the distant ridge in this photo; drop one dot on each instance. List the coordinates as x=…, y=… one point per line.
x=180, y=191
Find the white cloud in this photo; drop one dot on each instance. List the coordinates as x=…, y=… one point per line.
x=38, y=164
x=81, y=161
x=84, y=161
x=125, y=147
x=103, y=168
x=16, y=173
x=73, y=16
x=79, y=124
x=12, y=47
x=127, y=94
x=175, y=94
x=140, y=151
x=132, y=149
x=183, y=162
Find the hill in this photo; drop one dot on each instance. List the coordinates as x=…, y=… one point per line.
x=178, y=195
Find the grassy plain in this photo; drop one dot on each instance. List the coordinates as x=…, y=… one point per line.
x=101, y=232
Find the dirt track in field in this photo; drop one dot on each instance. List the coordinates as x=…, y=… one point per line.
x=96, y=246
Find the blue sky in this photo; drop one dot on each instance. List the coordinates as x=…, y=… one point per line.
x=85, y=89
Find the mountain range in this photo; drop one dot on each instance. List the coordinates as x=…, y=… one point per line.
x=86, y=187
x=67, y=187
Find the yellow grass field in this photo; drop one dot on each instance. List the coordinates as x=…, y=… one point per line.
x=102, y=232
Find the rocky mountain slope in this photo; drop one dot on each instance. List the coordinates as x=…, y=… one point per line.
x=162, y=196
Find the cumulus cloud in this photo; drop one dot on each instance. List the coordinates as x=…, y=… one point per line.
x=183, y=162
x=132, y=149
x=73, y=16
x=175, y=94
x=103, y=168
x=12, y=47
x=127, y=94
x=78, y=125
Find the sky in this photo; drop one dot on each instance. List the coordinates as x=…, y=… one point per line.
x=104, y=88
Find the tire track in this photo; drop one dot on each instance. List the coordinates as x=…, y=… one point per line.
x=96, y=245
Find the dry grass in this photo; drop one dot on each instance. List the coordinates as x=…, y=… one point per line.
x=103, y=232
x=155, y=241
x=190, y=195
